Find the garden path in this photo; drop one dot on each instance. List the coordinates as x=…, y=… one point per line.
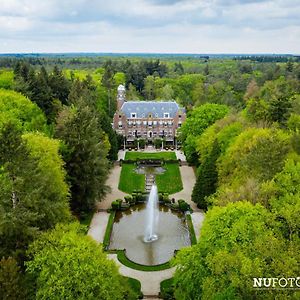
x=115, y=193
x=98, y=226
x=188, y=181
x=150, y=281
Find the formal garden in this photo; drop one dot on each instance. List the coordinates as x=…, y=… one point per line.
x=126, y=230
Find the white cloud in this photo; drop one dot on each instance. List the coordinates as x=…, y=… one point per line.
x=150, y=25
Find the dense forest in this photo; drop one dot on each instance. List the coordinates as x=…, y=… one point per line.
x=242, y=136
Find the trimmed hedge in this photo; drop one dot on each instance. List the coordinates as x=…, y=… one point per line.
x=191, y=229
x=109, y=227
x=123, y=259
x=135, y=286
x=167, y=289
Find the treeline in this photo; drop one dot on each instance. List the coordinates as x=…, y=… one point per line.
x=248, y=166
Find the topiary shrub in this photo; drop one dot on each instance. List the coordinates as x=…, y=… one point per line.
x=166, y=198
x=130, y=200
x=116, y=205
x=183, y=205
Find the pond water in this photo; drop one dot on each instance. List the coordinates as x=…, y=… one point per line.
x=129, y=229
x=149, y=170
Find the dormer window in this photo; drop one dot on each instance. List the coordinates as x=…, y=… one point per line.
x=166, y=115
x=133, y=115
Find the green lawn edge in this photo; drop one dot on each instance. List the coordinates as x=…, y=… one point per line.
x=170, y=181
x=108, y=230
x=191, y=230
x=129, y=180
x=150, y=155
x=123, y=259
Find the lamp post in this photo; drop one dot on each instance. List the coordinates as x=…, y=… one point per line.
x=124, y=146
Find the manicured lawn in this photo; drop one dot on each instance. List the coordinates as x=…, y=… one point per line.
x=146, y=155
x=170, y=181
x=109, y=227
x=130, y=180
x=130, y=264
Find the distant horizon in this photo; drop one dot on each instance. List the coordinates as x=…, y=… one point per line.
x=151, y=53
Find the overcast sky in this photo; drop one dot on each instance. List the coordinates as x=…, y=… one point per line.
x=161, y=26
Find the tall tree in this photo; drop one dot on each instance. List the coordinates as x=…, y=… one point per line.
x=33, y=193
x=207, y=178
x=87, y=149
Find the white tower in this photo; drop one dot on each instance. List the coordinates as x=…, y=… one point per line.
x=121, y=98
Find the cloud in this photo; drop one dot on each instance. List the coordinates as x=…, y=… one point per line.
x=142, y=25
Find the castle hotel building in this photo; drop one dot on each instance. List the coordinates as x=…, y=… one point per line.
x=147, y=120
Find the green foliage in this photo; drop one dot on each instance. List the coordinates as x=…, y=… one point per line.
x=87, y=148
x=33, y=193
x=47, y=90
x=12, y=285
x=130, y=180
x=201, y=118
x=135, y=286
x=167, y=289
x=109, y=228
x=169, y=181
x=258, y=153
x=54, y=196
x=224, y=130
x=237, y=243
x=257, y=110
x=191, y=229
x=294, y=122
x=62, y=274
x=18, y=109
x=6, y=79
x=207, y=178
x=183, y=205
x=282, y=194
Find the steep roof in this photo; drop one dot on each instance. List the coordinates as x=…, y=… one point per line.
x=156, y=108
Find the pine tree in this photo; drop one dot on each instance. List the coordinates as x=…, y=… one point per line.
x=86, y=162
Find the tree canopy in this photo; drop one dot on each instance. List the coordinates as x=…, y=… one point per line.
x=67, y=264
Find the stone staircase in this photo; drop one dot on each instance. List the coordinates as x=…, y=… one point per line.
x=149, y=180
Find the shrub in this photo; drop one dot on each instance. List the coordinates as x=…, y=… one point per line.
x=183, y=205
x=128, y=199
x=116, y=205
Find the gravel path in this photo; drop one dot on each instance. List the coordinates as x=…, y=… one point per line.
x=115, y=193
x=188, y=181
x=98, y=226
x=150, y=281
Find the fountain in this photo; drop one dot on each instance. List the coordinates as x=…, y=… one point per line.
x=151, y=216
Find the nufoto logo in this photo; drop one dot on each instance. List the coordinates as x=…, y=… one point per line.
x=277, y=283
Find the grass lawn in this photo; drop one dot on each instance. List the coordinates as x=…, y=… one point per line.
x=129, y=180
x=130, y=264
x=146, y=155
x=170, y=181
